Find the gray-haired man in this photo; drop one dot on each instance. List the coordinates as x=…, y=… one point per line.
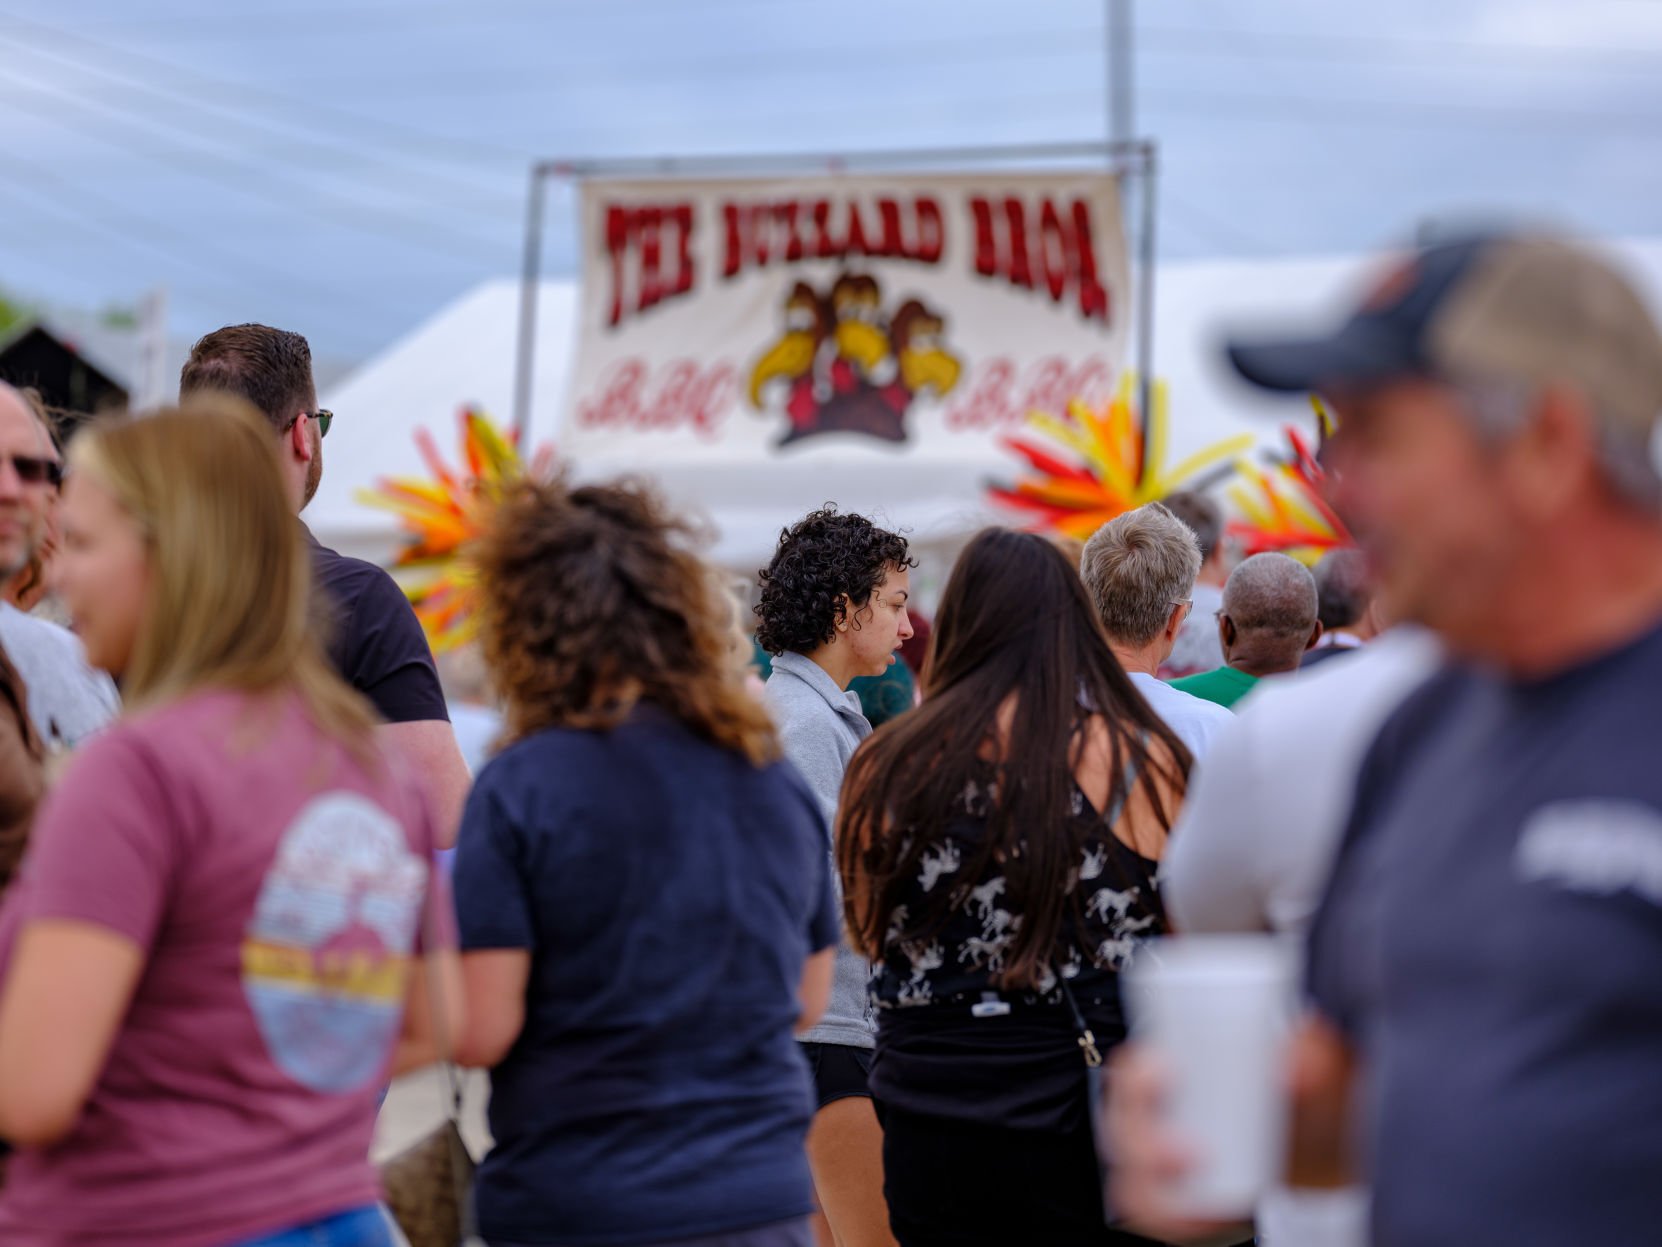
x=1140, y=571
x=1486, y=959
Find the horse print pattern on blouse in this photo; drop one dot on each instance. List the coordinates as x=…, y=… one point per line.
x=1120, y=907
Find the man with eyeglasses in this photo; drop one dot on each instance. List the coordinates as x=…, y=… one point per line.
x=1140, y=571
x=376, y=644
x=67, y=700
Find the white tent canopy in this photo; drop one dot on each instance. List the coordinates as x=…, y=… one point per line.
x=465, y=355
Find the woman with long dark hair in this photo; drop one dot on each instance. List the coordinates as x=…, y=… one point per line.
x=998, y=849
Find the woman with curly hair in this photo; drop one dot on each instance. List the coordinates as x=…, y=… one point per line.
x=998, y=848
x=645, y=908
x=833, y=607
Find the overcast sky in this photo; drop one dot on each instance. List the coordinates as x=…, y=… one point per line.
x=345, y=167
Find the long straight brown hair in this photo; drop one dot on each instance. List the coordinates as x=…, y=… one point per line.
x=1014, y=625
x=230, y=597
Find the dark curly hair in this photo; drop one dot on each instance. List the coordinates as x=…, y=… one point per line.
x=591, y=601
x=825, y=563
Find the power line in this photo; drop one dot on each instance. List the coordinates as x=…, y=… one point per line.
x=173, y=244
x=794, y=63
x=334, y=152
x=237, y=173
x=222, y=24
x=467, y=151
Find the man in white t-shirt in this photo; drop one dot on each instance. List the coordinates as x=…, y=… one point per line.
x=1140, y=571
x=67, y=700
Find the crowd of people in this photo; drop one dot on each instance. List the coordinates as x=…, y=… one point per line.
x=836, y=958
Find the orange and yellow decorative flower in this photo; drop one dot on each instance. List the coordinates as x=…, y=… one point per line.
x=443, y=516
x=1102, y=464
x=1284, y=510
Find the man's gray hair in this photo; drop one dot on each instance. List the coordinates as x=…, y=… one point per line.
x=1499, y=409
x=1136, y=568
x=1273, y=595
x=1344, y=588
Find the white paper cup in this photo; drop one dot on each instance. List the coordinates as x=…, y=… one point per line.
x=1216, y=1011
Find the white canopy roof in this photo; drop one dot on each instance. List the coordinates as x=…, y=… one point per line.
x=464, y=355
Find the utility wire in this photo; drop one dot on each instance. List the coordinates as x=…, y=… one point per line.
x=254, y=178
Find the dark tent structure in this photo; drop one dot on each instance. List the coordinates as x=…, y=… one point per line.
x=72, y=386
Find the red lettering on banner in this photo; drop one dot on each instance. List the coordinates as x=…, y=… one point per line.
x=931, y=239
x=824, y=248
x=731, y=253
x=855, y=243
x=1011, y=240
x=788, y=212
x=635, y=246
x=1019, y=271
x=652, y=259
x=617, y=243
x=1001, y=394
x=682, y=217
x=1093, y=299
x=1053, y=251
x=681, y=395
x=986, y=249
x=891, y=247
x=831, y=229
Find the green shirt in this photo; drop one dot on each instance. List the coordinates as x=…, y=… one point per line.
x=1224, y=685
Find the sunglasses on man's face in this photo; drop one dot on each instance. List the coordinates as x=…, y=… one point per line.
x=37, y=470
x=323, y=417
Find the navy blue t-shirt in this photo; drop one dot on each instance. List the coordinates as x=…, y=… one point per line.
x=669, y=893
x=375, y=641
x=1492, y=941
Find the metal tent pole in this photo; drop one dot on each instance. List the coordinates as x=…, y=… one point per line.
x=530, y=283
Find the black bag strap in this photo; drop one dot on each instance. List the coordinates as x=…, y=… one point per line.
x=1087, y=1041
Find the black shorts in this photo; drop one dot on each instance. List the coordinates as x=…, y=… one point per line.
x=839, y=1071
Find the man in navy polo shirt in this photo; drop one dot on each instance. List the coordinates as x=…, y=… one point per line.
x=375, y=642
x=1485, y=965
x=1488, y=957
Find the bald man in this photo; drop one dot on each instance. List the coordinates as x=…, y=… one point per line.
x=1267, y=622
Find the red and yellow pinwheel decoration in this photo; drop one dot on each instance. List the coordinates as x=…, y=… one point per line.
x=443, y=516
x=1284, y=510
x=1102, y=464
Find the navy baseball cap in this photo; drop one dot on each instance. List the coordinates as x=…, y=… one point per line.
x=1505, y=307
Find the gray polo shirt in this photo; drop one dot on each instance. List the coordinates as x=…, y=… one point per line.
x=820, y=726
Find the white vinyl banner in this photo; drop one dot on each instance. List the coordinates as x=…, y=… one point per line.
x=820, y=319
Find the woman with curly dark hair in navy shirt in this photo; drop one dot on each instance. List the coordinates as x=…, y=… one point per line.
x=833, y=607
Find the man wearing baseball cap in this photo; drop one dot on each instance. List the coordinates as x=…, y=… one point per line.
x=1486, y=963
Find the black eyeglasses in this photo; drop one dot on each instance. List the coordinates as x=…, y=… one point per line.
x=37, y=470
x=323, y=417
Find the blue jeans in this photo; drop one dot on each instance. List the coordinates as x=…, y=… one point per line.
x=368, y=1226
